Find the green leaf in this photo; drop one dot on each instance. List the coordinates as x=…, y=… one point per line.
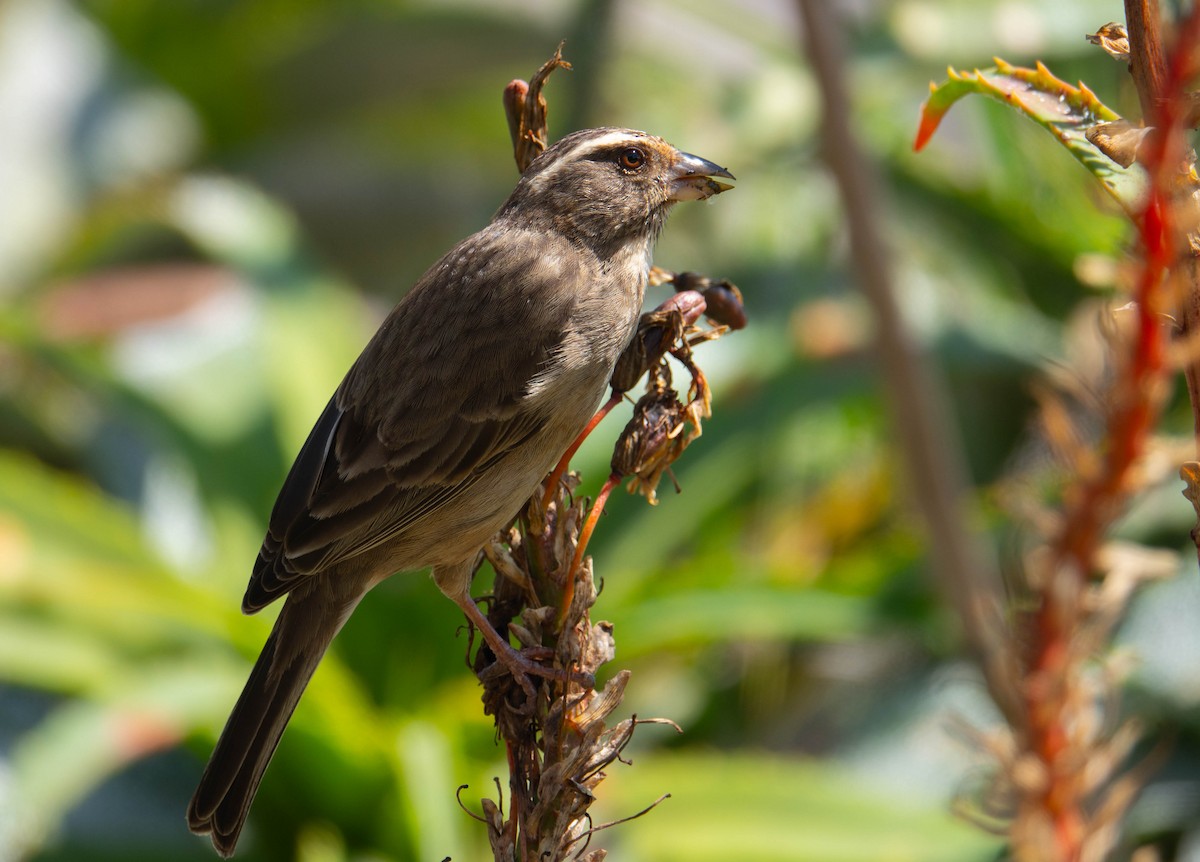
x=1065, y=111
x=43, y=509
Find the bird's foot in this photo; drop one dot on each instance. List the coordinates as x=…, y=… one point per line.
x=522, y=664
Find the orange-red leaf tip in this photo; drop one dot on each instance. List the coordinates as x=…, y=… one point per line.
x=930, y=118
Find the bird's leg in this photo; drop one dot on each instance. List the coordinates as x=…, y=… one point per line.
x=564, y=462
x=455, y=582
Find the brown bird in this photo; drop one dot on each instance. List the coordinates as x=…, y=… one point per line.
x=459, y=406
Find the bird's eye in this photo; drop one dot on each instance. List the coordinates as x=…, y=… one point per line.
x=632, y=158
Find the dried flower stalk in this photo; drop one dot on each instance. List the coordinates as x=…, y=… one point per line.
x=556, y=732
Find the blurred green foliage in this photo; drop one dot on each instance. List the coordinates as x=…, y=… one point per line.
x=204, y=209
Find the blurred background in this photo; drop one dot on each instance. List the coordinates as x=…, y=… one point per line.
x=206, y=206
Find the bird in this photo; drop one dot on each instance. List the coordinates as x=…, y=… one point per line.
x=456, y=410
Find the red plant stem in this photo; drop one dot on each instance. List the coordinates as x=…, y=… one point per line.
x=585, y=536
x=1098, y=500
x=565, y=460
x=1132, y=419
x=1148, y=67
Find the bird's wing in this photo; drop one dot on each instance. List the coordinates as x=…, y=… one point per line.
x=432, y=402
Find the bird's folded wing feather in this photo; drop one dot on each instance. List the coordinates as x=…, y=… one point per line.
x=432, y=402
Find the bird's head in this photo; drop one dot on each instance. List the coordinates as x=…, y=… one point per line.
x=606, y=186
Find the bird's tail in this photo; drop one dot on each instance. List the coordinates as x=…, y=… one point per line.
x=305, y=628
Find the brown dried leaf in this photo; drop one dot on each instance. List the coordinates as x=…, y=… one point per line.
x=1189, y=472
x=1119, y=140
x=1113, y=38
x=525, y=109
x=658, y=332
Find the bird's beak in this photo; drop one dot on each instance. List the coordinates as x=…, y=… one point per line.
x=692, y=178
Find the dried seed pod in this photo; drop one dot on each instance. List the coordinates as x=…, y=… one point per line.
x=655, y=436
x=525, y=109
x=657, y=417
x=1114, y=39
x=725, y=305
x=690, y=281
x=724, y=300
x=658, y=332
x=631, y=365
x=689, y=303
x=514, y=106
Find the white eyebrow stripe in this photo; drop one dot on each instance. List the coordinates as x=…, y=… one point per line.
x=588, y=144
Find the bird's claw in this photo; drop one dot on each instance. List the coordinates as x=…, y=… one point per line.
x=522, y=664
